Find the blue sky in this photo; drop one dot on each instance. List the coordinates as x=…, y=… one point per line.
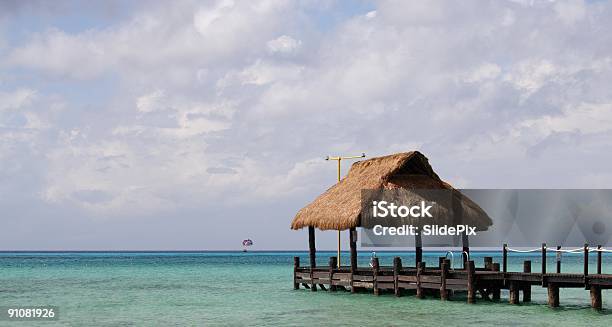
x=196, y=124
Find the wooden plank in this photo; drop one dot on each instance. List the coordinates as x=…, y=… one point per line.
x=565, y=279
x=526, y=277
x=499, y=277
x=363, y=284
x=386, y=285
x=455, y=281
x=435, y=286
x=406, y=285
x=341, y=283
x=302, y=275
x=317, y=274
x=385, y=279
x=457, y=274
x=360, y=278
x=342, y=275
x=600, y=281
x=406, y=278
x=430, y=279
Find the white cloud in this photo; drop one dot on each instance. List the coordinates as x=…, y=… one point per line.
x=57, y=52
x=371, y=14
x=16, y=99
x=151, y=102
x=206, y=17
x=483, y=72
x=570, y=11
x=178, y=36
x=261, y=73
x=531, y=75
x=284, y=44
x=586, y=118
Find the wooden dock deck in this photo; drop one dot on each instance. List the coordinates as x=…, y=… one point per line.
x=443, y=282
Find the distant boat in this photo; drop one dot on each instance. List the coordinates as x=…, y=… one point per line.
x=246, y=243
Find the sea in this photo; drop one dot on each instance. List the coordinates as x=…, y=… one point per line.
x=255, y=289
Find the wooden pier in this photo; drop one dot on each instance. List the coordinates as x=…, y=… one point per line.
x=340, y=209
x=485, y=282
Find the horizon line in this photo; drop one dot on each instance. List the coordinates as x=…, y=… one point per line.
x=211, y=251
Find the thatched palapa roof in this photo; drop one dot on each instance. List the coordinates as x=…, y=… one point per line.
x=340, y=207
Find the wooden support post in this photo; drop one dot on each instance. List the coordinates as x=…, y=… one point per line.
x=558, y=259
x=599, y=259
x=553, y=295
x=543, y=259
x=586, y=260
x=471, y=286
x=313, y=286
x=419, y=273
x=353, y=246
x=311, y=247
x=296, y=266
x=488, y=261
x=514, y=292
x=333, y=261
x=418, y=255
x=466, y=249
x=596, y=297
x=443, y=274
x=505, y=258
x=418, y=249
x=313, y=255
x=397, y=267
x=527, y=285
x=375, y=270
x=496, y=290
x=440, y=261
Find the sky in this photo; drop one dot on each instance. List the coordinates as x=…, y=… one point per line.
x=191, y=125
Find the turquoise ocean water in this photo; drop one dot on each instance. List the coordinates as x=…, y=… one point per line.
x=254, y=289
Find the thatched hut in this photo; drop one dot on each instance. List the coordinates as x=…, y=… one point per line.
x=340, y=207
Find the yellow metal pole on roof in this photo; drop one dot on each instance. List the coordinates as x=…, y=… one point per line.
x=339, y=160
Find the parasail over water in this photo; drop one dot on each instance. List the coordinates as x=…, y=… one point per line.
x=246, y=243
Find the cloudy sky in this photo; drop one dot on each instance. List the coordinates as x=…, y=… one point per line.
x=193, y=125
